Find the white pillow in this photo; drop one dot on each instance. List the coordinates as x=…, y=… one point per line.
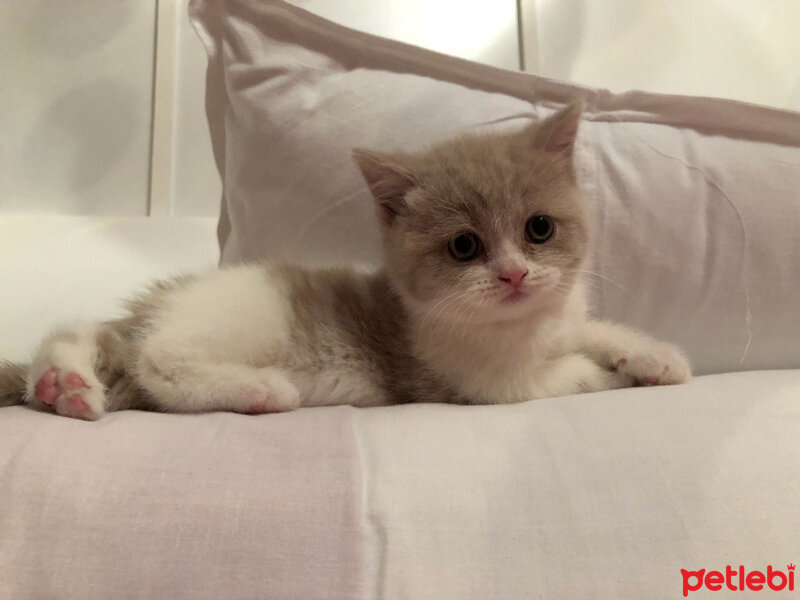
x=695, y=200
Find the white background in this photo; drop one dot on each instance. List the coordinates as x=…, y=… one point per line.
x=742, y=49
x=81, y=118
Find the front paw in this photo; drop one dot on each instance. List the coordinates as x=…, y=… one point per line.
x=659, y=364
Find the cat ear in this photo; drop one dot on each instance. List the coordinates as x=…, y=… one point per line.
x=557, y=133
x=387, y=180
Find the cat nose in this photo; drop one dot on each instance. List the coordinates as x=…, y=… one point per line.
x=513, y=277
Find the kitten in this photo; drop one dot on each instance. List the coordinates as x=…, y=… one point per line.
x=480, y=301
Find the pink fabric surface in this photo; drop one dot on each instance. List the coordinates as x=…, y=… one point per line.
x=145, y=505
x=694, y=200
x=603, y=495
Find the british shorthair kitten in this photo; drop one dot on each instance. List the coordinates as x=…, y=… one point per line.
x=480, y=301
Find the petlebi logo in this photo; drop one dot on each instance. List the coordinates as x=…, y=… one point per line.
x=739, y=579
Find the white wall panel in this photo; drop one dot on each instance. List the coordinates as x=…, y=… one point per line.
x=196, y=187
x=742, y=49
x=76, y=87
x=476, y=29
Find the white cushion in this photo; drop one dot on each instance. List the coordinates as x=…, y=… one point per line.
x=694, y=200
x=602, y=495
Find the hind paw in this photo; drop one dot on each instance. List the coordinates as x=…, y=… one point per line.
x=70, y=395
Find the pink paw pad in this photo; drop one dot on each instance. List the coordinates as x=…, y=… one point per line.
x=47, y=388
x=78, y=409
x=257, y=408
x=650, y=380
x=73, y=380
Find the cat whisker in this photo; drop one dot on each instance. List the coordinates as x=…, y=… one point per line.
x=464, y=306
x=474, y=310
x=436, y=321
x=330, y=207
x=599, y=276
x=435, y=324
x=428, y=314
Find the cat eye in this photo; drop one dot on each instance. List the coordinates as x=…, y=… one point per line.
x=464, y=247
x=539, y=229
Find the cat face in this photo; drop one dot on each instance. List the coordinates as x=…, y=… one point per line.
x=486, y=227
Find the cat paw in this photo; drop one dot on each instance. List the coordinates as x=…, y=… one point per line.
x=273, y=394
x=68, y=393
x=663, y=364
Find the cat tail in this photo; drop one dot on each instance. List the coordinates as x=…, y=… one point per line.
x=12, y=383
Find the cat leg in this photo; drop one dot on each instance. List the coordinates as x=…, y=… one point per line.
x=188, y=385
x=632, y=353
x=62, y=375
x=576, y=373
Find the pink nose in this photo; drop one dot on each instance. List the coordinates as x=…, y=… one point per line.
x=514, y=277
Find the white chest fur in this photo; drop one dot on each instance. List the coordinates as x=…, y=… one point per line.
x=508, y=361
